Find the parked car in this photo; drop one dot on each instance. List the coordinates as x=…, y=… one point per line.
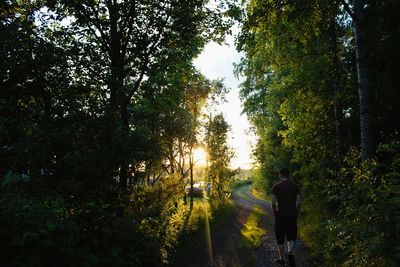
x=198, y=190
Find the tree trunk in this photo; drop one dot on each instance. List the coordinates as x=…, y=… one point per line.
x=171, y=157
x=119, y=103
x=191, y=163
x=116, y=58
x=364, y=85
x=124, y=165
x=181, y=165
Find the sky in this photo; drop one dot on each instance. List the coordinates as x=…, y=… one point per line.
x=216, y=61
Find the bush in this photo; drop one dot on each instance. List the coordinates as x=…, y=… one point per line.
x=352, y=219
x=40, y=230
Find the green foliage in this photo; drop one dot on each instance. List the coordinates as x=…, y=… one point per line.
x=219, y=156
x=251, y=232
x=92, y=95
x=221, y=210
x=50, y=230
x=239, y=183
x=361, y=210
x=212, y=214
x=39, y=231
x=300, y=95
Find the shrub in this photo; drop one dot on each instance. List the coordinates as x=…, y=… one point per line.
x=352, y=219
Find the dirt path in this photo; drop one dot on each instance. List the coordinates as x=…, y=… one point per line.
x=266, y=253
x=245, y=239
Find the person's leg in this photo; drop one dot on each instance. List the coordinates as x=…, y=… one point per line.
x=281, y=249
x=291, y=234
x=280, y=238
x=290, y=246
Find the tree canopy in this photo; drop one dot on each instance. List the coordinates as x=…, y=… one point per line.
x=99, y=105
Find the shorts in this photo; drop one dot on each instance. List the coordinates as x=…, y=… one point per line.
x=285, y=226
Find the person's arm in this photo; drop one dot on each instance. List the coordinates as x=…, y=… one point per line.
x=298, y=203
x=274, y=206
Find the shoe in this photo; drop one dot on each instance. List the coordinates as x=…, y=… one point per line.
x=280, y=262
x=292, y=262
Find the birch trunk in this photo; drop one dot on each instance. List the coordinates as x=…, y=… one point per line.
x=364, y=85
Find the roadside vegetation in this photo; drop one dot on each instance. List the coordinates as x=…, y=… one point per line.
x=206, y=216
x=251, y=232
x=101, y=111
x=321, y=90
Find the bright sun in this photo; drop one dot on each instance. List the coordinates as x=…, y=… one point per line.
x=200, y=156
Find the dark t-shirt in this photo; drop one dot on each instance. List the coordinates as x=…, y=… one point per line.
x=286, y=192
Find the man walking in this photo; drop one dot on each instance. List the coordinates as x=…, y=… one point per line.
x=285, y=206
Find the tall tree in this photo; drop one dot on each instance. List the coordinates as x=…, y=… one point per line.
x=134, y=37
x=302, y=70
x=219, y=155
x=368, y=138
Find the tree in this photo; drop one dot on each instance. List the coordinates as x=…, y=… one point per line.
x=90, y=93
x=171, y=107
x=302, y=70
x=219, y=156
x=135, y=39
x=368, y=139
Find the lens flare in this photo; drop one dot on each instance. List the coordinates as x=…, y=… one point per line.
x=200, y=156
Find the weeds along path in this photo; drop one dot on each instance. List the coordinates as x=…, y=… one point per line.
x=245, y=238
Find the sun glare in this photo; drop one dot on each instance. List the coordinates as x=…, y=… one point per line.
x=200, y=156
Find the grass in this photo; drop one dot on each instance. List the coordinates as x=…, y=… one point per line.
x=261, y=194
x=258, y=193
x=240, y=183
x=246, y=197
x=251, y=237
x=194, y=232
x=251, y=232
